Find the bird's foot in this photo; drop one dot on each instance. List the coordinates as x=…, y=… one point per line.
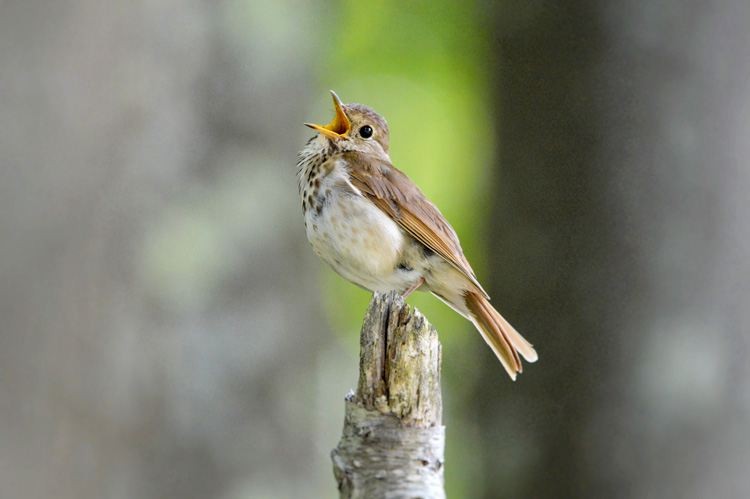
x=412, y=288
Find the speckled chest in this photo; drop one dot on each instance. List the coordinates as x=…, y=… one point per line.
x=347, y=230
x=313, y=171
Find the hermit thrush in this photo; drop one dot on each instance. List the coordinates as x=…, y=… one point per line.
x=373, y=226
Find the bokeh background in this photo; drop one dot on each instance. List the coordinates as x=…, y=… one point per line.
x=165, y=330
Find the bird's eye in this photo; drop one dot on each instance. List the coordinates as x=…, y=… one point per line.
x=365, y=132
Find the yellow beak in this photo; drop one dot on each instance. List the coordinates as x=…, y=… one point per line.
x=340, y=125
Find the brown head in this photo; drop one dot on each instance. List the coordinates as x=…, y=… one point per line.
x=356, y=128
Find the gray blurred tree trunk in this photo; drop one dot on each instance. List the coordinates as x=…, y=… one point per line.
x=154, y=276
x=620, y=249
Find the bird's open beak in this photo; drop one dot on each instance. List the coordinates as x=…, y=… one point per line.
x=340, y=125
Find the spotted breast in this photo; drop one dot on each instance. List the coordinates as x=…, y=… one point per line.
x=346, y=230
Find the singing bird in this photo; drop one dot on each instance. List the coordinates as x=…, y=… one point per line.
x=376, y=228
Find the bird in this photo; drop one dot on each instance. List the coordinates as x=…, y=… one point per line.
x=372, y=225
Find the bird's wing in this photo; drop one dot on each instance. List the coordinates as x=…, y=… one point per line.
x=400, y=198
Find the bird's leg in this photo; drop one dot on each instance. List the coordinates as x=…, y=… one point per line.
x=412, y=288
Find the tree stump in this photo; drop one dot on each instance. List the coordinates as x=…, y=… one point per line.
x=393, y=440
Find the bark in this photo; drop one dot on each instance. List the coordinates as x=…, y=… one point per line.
x=393, y=440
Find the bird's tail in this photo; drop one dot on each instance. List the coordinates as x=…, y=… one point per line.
x=499, y=335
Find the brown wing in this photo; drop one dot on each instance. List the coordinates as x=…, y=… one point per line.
x=400, y=198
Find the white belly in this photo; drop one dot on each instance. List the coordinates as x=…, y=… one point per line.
x=360, y=242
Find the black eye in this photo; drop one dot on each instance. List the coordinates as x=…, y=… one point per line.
x=365, y=132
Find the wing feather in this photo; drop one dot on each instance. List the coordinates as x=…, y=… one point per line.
x=400, y=198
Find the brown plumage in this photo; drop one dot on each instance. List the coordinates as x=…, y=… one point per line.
x=376, y=228
x=394, y=193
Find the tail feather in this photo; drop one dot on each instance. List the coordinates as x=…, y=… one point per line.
x=499, y=334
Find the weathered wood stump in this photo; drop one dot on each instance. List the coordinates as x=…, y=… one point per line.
x=393, y=440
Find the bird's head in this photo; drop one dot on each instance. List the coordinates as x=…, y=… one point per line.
x=356, y=128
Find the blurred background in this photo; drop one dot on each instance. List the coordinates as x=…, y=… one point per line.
x=166, y=331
